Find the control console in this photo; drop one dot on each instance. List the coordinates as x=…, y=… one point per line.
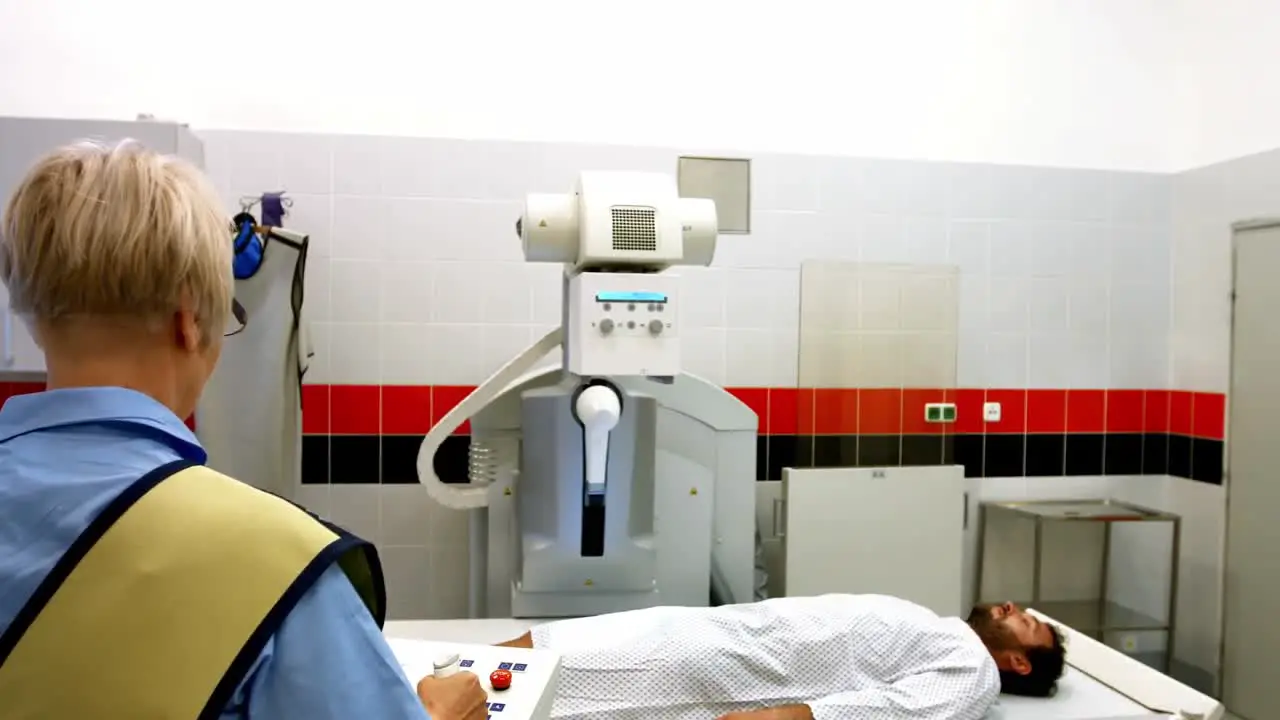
x=521, y=684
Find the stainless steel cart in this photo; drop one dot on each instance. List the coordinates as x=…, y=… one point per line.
x=1101, y=617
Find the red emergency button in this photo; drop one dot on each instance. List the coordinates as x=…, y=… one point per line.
x=500, y=679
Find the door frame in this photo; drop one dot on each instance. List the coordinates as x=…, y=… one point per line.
x=1260, y=223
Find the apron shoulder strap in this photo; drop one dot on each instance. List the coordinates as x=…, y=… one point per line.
x=163, y=604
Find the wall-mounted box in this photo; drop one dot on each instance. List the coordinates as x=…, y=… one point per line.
x=727, y=181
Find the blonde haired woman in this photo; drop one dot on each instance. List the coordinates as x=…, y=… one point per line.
x=133, y=581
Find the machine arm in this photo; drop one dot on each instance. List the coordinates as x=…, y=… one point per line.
x=469, y=497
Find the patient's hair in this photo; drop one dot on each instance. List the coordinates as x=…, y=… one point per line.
x=1047, y=664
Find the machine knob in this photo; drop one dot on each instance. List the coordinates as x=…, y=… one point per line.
x=606, y=326
x=445, y=665
x=500, y=679
x=655, y=327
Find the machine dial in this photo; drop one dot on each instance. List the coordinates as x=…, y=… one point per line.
x=606, y=326
x=655, y=327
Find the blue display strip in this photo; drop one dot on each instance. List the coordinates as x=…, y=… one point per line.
x=637, y=296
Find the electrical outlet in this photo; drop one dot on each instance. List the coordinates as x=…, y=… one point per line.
x=991, y=412
x=1129, y=643
x=939, y=412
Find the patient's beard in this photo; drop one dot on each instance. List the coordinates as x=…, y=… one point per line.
x=994, y=633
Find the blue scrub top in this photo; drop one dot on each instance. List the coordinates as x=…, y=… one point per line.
x=64, y=454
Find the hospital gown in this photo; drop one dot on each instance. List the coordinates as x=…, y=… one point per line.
x=848, y=657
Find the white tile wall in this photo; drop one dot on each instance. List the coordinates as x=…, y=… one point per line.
x=1061, y=279
x=869, y=325
x=1064, y=273
x=1206, y=201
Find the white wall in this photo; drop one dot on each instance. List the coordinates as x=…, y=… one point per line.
x=1228, y=104
x=1084, y=83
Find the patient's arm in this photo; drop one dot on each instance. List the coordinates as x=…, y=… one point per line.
x=951, y=694
x=524, y=641
x=784, y=712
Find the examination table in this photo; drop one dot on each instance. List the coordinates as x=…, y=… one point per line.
x=1100, y=683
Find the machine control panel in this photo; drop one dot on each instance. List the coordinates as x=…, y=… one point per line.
x=623, y=324
x=521, y=683
x=646, y=311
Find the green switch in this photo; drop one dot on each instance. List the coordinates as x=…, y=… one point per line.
x=948, y=413
x=933, y=413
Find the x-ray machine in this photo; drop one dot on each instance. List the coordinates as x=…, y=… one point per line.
x=616, y=481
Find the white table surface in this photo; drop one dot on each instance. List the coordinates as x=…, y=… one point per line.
x=481, y=632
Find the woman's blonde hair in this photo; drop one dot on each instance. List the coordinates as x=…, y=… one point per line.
x=116, y=231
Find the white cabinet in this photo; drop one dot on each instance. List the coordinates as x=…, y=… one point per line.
x=25, y=140
x=900, y=531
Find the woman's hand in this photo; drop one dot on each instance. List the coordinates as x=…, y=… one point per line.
x=457, y=697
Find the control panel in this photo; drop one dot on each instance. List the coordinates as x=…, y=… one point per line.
x=521, y=684
x=623, y=324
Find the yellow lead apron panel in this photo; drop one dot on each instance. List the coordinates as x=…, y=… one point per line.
x=163, y=604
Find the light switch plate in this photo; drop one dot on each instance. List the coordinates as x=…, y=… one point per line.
x=940, y=412
x=991, y=412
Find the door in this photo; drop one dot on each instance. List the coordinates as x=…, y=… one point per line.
x=1251, y=637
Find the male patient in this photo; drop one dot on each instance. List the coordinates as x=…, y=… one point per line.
x=831, y=657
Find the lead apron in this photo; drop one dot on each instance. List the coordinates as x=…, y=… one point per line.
x=249, y=418
x=162, y=605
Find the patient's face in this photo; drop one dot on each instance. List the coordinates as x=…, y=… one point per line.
x=1005, y=626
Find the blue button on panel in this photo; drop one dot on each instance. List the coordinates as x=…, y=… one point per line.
x=466, y=663
x=504, y=666
x=520, y=667
x=497, y=707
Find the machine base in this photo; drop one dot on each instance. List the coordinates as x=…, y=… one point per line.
x=534, y=673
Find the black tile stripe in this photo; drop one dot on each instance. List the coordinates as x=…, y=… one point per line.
x=393, y=459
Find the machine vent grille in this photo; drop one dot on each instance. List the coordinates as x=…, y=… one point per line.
x=635, y=228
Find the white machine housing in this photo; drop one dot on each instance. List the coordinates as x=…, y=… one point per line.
x=616, y=220
x=679, y=504
x=614, y=234
x=614, y=482
x=622, y=324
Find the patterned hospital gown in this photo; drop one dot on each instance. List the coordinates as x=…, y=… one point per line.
x=849, y=657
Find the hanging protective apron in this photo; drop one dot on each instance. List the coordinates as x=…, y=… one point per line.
x=160, y=608
x=249, y=418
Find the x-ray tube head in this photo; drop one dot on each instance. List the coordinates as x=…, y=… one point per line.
x=619, y=221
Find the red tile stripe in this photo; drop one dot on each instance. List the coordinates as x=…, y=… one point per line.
x=412, y=410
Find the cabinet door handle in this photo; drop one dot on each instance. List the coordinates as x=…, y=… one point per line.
x=8, y=337
x=966, y=512
x=779, y=521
